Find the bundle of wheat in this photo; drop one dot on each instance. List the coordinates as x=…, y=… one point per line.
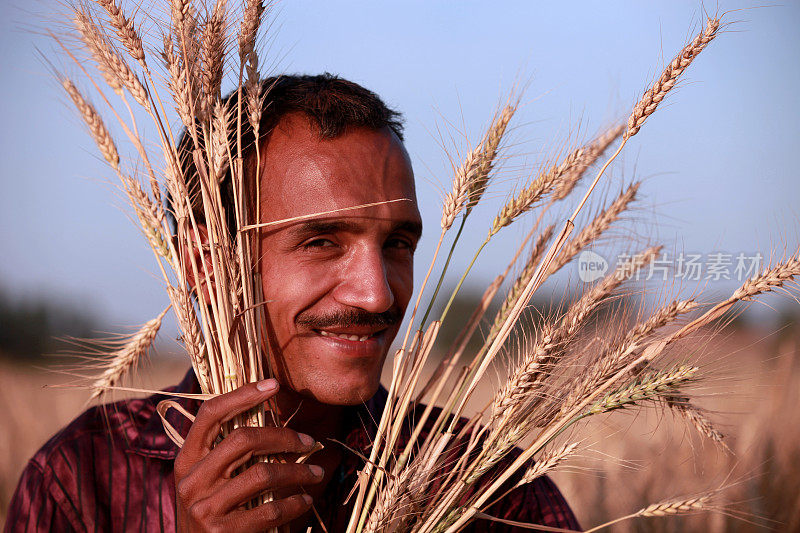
x=214, y=287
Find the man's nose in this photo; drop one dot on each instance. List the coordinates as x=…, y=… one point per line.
x=363, y=282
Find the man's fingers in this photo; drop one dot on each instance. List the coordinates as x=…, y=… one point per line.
x=216, y=411
x=265, y=477
x=243, y=443
x=271, y=514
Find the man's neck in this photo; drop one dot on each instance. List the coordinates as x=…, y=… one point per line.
x=306, y=415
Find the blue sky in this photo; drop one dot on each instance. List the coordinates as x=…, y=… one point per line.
x=718, y=160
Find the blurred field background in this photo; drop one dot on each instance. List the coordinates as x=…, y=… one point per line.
x=633, y=459
x=720, y=175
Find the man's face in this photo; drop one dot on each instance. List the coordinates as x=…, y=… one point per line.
x=336, y=286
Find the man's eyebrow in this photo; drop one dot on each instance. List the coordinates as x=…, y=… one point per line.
x=411, y=226
x=316, y=227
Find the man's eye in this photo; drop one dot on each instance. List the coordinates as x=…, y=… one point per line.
x=400, y=244
x=318, y=243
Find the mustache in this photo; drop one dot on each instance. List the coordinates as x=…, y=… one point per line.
x=350, y=317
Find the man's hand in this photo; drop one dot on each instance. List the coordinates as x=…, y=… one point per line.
x=209, y=498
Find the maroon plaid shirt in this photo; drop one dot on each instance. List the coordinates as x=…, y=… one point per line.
x=111, y=469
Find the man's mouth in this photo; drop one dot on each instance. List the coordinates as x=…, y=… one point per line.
x=345, y=336
x=349, y=336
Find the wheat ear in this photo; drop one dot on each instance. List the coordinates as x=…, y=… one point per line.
x=664, y=508
x=547, y=462
x=490, y=147
x=526, y=377
x=125, y=30
x=650, y=387
x=655, y=94
x=126, y=357
x=592, y=231
x=538, y=188
x=695, y=417
x=212, y=47
x=97, y=127
x=115, y=70
x=591, y=154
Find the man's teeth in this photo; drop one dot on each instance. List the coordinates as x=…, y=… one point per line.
x=344, y=336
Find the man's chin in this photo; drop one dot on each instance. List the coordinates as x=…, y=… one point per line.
x=344, y=393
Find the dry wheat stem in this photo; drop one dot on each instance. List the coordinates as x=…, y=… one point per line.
x=537, y=251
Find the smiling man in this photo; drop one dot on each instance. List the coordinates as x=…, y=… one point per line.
x=336, y=289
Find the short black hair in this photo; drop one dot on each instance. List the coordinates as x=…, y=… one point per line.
x=331, y=103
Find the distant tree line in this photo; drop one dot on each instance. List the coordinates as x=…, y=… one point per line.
x=33, y=326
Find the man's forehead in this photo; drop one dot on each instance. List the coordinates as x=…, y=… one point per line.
x=303, y=174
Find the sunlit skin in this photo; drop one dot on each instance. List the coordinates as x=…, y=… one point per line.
x=348, y=274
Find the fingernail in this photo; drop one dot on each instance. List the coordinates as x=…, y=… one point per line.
x=307, y=499
x=267, y=385
x=308, y=440
x=316, y=470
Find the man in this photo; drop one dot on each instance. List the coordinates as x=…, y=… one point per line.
x=336, y=288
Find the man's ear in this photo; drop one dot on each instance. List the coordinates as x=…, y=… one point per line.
x=197, y=264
